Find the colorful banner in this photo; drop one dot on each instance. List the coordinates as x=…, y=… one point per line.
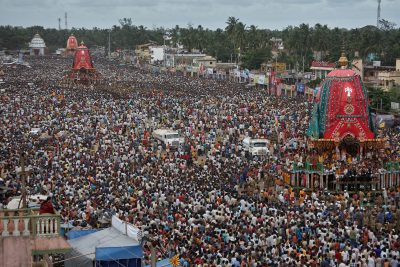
x=261, y=79
x=279, y=89
x=255, y=77
x=301, y=87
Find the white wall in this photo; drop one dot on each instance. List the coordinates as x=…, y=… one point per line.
x=157, y=53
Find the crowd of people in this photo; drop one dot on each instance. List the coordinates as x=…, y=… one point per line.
x=207, y=200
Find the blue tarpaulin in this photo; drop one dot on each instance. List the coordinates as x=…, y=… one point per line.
x=105, y=248
x=119, y=256
x=75, y=233
x=119, y=263
x=109, y=253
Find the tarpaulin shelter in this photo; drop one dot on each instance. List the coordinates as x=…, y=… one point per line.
x=73, y=234
x=109, y=247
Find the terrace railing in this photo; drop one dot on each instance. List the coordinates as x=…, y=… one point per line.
x=28, y=222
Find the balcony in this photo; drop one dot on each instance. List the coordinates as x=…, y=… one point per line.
x=25, y=234
x=28, y=222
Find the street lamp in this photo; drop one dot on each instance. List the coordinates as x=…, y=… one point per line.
x=164, y=63
x=109, y=43
x=238, y=57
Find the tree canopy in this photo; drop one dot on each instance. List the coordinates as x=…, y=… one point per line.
x=237, y=41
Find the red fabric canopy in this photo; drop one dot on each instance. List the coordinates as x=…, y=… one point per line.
x=82, y=59
x=72, y=43
x=347, y=107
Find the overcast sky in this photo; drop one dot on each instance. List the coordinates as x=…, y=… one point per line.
x=271, y=14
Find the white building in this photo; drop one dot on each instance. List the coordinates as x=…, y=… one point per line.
x=37, y=46
x=390, y=79
x=156, y=54
x=207, y=61
x=181, y=59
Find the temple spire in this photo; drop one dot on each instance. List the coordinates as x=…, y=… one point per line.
x=343, y=61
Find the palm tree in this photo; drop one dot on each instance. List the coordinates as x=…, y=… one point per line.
x=252, y=37
x=200, y=40
x=231, y=24
x=320, y=35
x=188, y=37
x=240, y=36
x=175, y=34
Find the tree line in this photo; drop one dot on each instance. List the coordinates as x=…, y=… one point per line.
x=236, y=42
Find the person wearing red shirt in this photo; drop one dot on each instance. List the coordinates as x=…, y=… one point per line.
x=46, y=207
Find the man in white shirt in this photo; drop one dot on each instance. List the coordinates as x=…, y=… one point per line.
x=371, y=260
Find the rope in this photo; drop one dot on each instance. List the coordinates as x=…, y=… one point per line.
x=73, y=258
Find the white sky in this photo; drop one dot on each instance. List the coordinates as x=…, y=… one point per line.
x=271, y=14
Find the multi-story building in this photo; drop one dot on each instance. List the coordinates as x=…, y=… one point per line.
x=143, y=53
x=321, y=68
x=390, y=79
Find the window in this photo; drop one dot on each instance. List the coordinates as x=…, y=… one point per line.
x=260, y=144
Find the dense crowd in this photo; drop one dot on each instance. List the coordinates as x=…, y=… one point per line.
x=207, y=200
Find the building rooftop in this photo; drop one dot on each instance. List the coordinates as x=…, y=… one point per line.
x=206, y=58
x=322, y=64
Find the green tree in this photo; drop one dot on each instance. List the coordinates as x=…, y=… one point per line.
x=379, y=98
x=240, y=36
x=231, y=26
x=253, y=59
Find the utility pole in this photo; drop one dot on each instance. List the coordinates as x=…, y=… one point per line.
x=153, y=258
x=59, y=24
x=147, y=240
x=23, y=181
x=378, y=16
x=66, y=21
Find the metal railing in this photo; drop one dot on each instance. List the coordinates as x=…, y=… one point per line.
x=27, y=222
x=392, y=166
